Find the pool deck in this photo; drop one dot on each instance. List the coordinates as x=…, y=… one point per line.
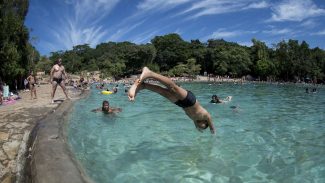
x=33, y=139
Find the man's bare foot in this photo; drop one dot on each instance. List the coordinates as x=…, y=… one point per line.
x=134, y=89
x=145, y=74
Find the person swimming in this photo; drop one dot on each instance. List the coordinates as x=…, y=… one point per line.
x=107, y=109
x=215, y=99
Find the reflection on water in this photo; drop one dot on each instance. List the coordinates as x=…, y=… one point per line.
x=276, y=135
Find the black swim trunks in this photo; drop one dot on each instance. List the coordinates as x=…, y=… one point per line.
x=58, y=80
x=188, y=101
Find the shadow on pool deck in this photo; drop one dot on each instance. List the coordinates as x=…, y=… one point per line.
x=50, y=158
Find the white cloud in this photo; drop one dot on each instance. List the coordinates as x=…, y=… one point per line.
x=257, y=5
x=144, y=37
x=157, y=5
x=212, y=7
x=275, y=31
x=121, y=32
x=82, y=25
x=93, y=10
x=295, y=10
x=48, y=45
x=178, y=31
x=222, y=33
x=308, y=24
x=319, y=33
x=246, y=43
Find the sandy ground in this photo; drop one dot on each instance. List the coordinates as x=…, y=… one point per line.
x=16, y=122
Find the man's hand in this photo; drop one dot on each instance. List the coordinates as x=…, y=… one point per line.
x=211, y=125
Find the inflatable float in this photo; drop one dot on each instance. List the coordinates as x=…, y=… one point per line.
x=106, y=92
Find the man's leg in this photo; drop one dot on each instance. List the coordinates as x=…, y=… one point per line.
x=35, y=92
x=54, y=85
x=179, y=92
x=31, y=91
x=64, y=89
x=137, y=86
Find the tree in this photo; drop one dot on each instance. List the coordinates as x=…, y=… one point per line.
x=44, y=64
x=198, y=51
x=171, y=49
x=189, y=69
x=13, y=41
x=262, y=65
x=228, y=58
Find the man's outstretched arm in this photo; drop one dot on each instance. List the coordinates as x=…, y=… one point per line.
x=211, y=125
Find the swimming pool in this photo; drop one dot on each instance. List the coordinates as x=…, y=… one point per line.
x=276, y=135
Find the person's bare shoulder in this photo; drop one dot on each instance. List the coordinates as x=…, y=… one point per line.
x=116, y=110
x=96, y=110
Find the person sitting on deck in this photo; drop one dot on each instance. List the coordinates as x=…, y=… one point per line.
x=174, y=93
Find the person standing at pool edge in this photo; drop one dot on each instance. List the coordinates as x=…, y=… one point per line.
x=56, y=77
x=181, y=97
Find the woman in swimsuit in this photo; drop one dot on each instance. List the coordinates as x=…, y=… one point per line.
x=32, y=85
x=174, y=93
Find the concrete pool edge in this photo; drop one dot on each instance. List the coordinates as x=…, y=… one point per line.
x=50, y=157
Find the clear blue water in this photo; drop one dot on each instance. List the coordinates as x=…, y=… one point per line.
x=277, y=135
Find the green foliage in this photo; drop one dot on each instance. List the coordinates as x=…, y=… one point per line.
x=154, y=67
x=263, y=68
x=171, y=55
x=198, y=51
x=14, y=46
x=293, y=60
x=171, y=49
x=44, y=64
x=228, y=58
x=189, y=69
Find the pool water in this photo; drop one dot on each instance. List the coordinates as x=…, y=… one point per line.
x=276, y=134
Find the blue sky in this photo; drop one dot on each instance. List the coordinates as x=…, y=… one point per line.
x=61, y=24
